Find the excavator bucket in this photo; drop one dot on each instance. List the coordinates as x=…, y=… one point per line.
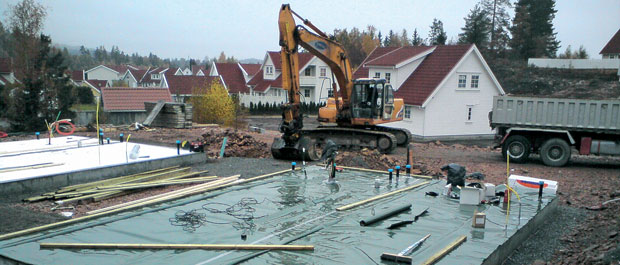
x=304, y=149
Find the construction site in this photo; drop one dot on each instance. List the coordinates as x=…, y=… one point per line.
x=384, y=172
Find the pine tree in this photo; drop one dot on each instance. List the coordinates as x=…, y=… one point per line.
x=380, y=37
x=532, y=30
x=477, y=29
x=437, y=36
x=497, y=13
x=416, y=40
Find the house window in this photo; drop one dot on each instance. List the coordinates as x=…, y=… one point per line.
x=279, y=92
x=470, y=109
x=612, y=56
x=474, y=81
x=323, y=72
x=309, y=71
x=377, y=75
x=269, y=70
x=155, y=76
x=330, y=92
x=408, y=112
x=388, y=76
x=307, y=93
x=462, y=81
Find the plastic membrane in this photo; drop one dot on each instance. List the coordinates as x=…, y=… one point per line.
x=292, y=208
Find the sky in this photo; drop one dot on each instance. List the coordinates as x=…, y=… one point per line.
x=246, y=28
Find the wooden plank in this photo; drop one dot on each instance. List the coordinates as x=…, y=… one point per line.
x=353, y=205
x=440, y=254
x=154, y=112
x=174, y=246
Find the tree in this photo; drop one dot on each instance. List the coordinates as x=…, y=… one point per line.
x=416, y=40
x=437, y=36
x=404, y=38
x=221, y=58
x=578, y=54
x=532, y=29
x=477, y=28
x=497, y=13
x=212, y=104
x=380, y=37
x=26, y=22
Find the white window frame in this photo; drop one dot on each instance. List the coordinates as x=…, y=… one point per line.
x=475, y=84
x=388, y=77
x=323, y=71
x=307, y=93
x=469, y=113
x=377, y=75
x=269, y=70
x=462, y=81
x=407, y=114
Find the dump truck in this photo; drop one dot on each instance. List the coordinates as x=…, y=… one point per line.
x=555, y=127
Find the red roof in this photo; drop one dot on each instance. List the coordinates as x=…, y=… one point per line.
x=613, y=46
x=97, y=83
x=5, y=65
x=251, y=68
x=232, y=77
x=137, y=74
x=132, y=98
x=275, y=58
x=77, y=75
x=184, y=84
x=170, y=71
x=260, y=85
x=435, y=67
x=397, y=56
x=362, y=71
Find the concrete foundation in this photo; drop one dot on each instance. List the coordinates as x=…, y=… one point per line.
x=51, y=182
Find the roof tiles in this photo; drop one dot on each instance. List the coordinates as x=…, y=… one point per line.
x=132, y=98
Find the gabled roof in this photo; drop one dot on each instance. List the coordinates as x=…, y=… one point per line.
x=275, y=58
x=250, y=68
x=362, y=72
x=261, y=85
x=430, y=73
x=613, y=46
x=77, y=75
x=184, y=84
x=97, y=83
x=232, y=76
x=132, y=98
x=396, y=56
x=137, y=74
x=5, y=65
x=304, y=58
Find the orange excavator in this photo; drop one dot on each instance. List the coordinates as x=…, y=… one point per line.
x=350, y=117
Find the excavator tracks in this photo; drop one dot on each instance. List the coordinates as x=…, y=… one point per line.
x=353, y=138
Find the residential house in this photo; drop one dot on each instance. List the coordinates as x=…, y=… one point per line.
x=448, y=90
x=151, y=77
x=7, y=76
x=77, y=79
x=107, y=72
x=315, y=80
x=612, y=48
x=181, y=87
x=125, y=105
x=234, y=77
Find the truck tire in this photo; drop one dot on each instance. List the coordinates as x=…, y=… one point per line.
x=555, y=152
x=519, y=148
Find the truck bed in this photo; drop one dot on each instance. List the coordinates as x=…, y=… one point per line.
x=602, y=116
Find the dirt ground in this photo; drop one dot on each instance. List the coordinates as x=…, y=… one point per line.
x=582, y=233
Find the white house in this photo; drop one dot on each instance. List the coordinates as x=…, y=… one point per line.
x=107, y=72
x=315, y=80
x=448, y=90
x=234, y=77
x=151, y=77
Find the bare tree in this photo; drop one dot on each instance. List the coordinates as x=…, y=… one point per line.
x=26, y=22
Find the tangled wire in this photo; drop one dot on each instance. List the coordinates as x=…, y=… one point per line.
x=242, y=211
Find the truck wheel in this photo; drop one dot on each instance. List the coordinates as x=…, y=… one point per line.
x=555, y=152
x=519, y=148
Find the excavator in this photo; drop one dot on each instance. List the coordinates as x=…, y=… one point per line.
x=350, y=117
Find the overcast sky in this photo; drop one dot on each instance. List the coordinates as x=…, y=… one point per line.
x=246, y=29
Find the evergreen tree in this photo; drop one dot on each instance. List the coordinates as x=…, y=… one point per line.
x=437, y=36
x=532, y=29
x=416, y=40
x=477, y=29
x=380, y=37
x=497, y=13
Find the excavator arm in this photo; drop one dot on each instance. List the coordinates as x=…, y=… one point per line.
x=292, y=145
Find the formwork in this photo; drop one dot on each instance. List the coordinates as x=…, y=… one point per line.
x=296, y=207
x=42, y=164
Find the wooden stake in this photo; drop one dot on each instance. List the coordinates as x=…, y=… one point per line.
x=445, y=250
x=175, y=246
x=353, y=205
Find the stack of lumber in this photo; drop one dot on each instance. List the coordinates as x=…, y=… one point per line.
x=172, y=115
x=108, y=188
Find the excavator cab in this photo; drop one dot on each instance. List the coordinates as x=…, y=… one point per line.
x=372, y=99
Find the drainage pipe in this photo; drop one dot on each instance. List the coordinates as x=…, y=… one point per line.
x=385, y=214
